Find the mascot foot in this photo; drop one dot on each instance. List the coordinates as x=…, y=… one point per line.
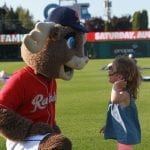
x=55, y=142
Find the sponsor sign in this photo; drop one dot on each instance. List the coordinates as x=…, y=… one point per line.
x=117, y=36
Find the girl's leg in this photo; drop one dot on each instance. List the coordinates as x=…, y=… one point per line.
x=124, y=147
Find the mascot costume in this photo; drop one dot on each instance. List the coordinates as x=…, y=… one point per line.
x=27, y=100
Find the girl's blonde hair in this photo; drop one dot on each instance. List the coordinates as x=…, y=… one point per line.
x=128, y=68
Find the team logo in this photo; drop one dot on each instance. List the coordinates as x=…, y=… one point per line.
x=41, y=102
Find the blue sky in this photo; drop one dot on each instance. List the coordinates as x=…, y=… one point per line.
x=119, y=7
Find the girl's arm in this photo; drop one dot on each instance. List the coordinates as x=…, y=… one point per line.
x=118, y=95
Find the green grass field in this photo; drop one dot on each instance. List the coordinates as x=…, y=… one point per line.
x=82, y=104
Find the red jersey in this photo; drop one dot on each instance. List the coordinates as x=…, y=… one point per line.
x=32, y=96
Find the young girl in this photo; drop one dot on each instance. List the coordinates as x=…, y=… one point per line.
x=122, y=121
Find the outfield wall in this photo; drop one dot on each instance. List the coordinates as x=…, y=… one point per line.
x=111, y=44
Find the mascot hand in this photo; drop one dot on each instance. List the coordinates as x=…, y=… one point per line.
x=55, y=142
x=40, y=128
x=21, y=127
x=56, y=129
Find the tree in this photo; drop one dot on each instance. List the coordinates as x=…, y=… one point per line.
x=18, y=21
x=136, y=21
x=10, y=21
x=115, y=24
x=2, y=16
x=108, y=26
x=144, y=20
x=95, y=24
x=140, y=20
x=25, y=18
x=121, y=24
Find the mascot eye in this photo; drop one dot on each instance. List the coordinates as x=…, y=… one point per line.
x=68, y=35
x=70, y=42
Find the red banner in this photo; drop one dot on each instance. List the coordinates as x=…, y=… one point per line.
x=117, y=36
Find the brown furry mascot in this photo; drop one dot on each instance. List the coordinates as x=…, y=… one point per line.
x=27, y=100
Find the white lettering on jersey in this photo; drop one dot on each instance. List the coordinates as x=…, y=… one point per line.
x=40, y=102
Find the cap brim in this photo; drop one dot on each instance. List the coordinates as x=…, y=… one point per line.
x=79, y=27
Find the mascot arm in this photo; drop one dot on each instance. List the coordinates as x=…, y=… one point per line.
x=17, y=128
x=56, y=129
x=55, y=142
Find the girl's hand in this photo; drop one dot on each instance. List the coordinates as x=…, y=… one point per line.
x=102, y=130
x=118, y=94
x=119, y=85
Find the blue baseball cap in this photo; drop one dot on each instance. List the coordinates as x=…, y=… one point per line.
x=66, y=17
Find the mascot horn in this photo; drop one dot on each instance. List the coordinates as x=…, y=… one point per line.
x=27, y=100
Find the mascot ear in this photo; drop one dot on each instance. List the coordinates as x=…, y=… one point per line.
x=36, y=39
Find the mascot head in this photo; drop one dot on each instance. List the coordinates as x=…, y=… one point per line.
x=46, y=49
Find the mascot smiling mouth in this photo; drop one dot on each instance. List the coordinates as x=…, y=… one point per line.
x=67, y=70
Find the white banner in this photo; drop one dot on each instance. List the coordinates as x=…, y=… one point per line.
x=11, y=38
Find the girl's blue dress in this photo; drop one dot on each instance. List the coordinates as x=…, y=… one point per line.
x=122, y=124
